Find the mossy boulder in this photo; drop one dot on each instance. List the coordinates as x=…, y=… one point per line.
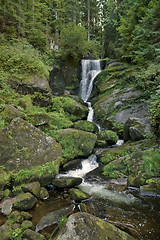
x=153, y=185
x=86, y=226
x=132, y=161
x=38, y=119
x=33, y=188
x=86, y=126
x=134, y=130
x=76, y=143
x=5, y=232
x=32, y=235
x=4, y=179
x=25, y=201
x=106, y=138
x=74, y=164
x=67, y=182
x=37, y=87
x=10, y=112
x=44, y=194
x=24, y=147
x=78, y=195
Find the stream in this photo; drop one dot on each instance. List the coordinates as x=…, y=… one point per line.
x=137, y=214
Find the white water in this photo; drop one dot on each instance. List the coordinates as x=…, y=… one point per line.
x=90, y=69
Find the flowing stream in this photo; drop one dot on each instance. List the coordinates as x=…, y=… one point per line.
x=131, y=211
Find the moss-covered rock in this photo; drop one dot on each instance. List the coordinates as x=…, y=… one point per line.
x=25, y=201
x=86, y=226
x=106, y=138
x=23, y=147
x=67, y=182
x=4, y=179
x=30, y=234
x=76, y=143
x=37, y=87
x=74, y=164
x=44, y=194
x=78, y=195
x=33, y=188
x=4, y=232
x=134, y=130
x=132, y=161
x=10, y=112
x=38, y=119
x=86, y=126
x=153, y=185
x=27, y=225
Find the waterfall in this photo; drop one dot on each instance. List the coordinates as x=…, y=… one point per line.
x=90, y=69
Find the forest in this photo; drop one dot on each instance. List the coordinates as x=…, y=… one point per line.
x=47, y=47
x=49, y=30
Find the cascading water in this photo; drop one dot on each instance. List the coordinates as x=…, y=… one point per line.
x=90, y=69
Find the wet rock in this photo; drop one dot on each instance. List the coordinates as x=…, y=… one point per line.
x=106, y=138
x=23, y=147
x=76, y=143
x=152, y=186
x=44, y=193
x=67, y=182
x=78, y=195
x=37, y=87
x=53, y=217
x=31, y=235
x=25, y=201
x=74, y=164
x=86, y=126
x=120, y=184
x=33, y=188
x=134, y=129
x=86, y=226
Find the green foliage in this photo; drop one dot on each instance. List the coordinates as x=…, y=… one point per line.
x=19, y=57
x=62, y=221
x=110, y=171
x=151, y=163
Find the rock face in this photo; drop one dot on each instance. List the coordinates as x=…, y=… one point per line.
x=36, y=84
x=67, y=182
x=76, y=143
x=24, y=146
x=82, y=226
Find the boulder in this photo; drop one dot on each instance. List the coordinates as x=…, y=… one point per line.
x=33, y=188
x=76, y=143
x=19, y=217
x=86, y=126
x=82, y=226
x=152, y=186
x=4, y=178
x=25, y=201
x=72, y=165
x=38, y=119
x=120, y=184
x=6, y=206
x=10, y=112
x=78, y=195
x=106, y=138
x=23, y=147
x=67, y=182
x=31, y=235
x=37, y=87
x=5, y=232
x=134, y=129
x=54, y=217
x=43, y=193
